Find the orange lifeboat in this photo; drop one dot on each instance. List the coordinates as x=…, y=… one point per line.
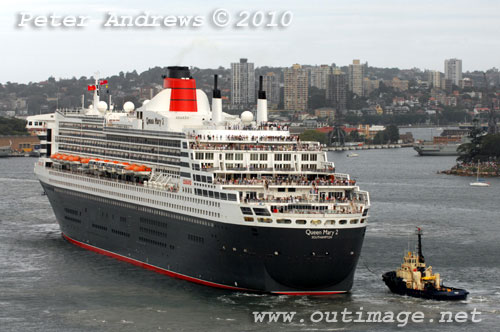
x=74, y=159
x=129, y=169
x=143, y=170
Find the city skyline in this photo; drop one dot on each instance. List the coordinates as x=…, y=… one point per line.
x=386, y=34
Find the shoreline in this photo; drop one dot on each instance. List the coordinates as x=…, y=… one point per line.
x=486, y=169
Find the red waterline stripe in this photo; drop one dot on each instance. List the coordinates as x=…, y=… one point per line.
x=309, y=293
x=149, y=266
x=177, y=275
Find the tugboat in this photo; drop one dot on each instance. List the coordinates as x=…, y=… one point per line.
x=414, y=279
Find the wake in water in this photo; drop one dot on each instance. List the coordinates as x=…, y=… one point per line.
x=18, y=180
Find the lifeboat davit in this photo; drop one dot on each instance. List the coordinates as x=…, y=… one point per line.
x=85, y=162
x=74, y=159
x=113, y=166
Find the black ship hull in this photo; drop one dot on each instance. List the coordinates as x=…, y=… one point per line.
x=246, y=258
x=398, y=285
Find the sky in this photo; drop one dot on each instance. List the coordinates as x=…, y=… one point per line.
x=384, y=33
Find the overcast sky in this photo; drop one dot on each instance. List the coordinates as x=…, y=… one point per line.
x=386, y=33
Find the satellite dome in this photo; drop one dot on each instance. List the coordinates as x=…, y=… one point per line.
x=145, y=102
x=246, y=117
x=102, y=106
x=128, y=106
x=91, y=107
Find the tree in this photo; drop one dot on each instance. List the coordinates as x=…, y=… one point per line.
x=392, y=133
x=313, y=135
x=470, y=152
x=490, y=146
x=380, y=137
x=12, y=126
x=316, y=98
x=354, y=136
x=355, y=102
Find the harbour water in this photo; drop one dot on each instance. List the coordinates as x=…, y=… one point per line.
x=47, y=284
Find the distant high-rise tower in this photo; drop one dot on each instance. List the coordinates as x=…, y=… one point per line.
x=336, y=94
x=319, y=76
x=242, y=83
x=296, y=88
x=271, y=84
x=453, y=70
x=356, y=74
x=434, y=78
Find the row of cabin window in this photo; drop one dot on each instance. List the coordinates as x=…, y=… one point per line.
x=215, y=194
x=137, y=207
x=152, y=201
x=118, y=145
x=256, y=156
x=164, y=194
x=116, y=138
x=202, y=178
x=123, y=155
x=315, y=222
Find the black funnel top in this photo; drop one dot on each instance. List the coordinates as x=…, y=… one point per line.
x=178, y=72
x=262, y=93
x=216, y=91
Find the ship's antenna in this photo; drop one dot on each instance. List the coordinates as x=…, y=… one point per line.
x=408, y=245
x=96, y=91
x=421, y=258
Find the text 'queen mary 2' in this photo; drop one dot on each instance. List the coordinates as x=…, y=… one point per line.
x=181, y=188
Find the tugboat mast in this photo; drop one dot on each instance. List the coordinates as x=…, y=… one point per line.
x=421, y=258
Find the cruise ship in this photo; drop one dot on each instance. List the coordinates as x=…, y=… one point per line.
x=182, y=188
